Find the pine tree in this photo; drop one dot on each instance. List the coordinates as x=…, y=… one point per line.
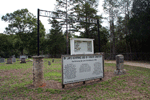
x=56, y=40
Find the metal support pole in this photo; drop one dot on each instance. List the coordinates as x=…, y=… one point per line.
x=98, y=35
x=67, y=28
x=63, y=86
x=38, y=30
x=83, y=82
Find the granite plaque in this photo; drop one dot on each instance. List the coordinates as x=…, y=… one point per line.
x=9, y=61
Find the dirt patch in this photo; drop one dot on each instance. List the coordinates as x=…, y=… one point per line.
x=15, y=72
x=22, y=73
x=87, y=93
x=51, y=84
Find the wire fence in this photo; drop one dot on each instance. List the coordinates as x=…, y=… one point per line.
x=111, y=56
x=129, y=56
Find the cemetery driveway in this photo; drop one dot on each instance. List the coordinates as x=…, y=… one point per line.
x=132, y=63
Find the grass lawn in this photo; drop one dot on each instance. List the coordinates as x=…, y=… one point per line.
x=16, y=83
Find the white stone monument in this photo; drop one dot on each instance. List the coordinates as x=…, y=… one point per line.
x=81, y=46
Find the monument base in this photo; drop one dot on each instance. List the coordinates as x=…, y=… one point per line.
x=22, y=62
x=38, y=76
x=120, y=72
x=9, y=63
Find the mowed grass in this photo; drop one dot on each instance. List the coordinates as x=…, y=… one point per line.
x=15, y=65
x=14, y=78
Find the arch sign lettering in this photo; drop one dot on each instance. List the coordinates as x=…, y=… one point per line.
x=60, y=15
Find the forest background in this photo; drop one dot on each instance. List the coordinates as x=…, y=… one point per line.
x=128, y=32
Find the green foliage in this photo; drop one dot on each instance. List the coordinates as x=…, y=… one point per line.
x=21, y=21
x=139, y=24
x=136, y=80
x=6, y=47
x=15, y=65
x=39, y=90
x=56, y=41
x=32, y=40
x=23, y=24
x=118, y=31
x=49, y=74
x=52, y=91
x=103, y=38
x=86, y=10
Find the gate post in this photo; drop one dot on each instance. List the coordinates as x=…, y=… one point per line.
x=38, y=77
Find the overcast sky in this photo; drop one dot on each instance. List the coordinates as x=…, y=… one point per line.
x=9, y=6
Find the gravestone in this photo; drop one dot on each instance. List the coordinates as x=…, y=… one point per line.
x=49, y=63
x=120, y=65
x=2, y=60
x=53, y=60
x=23, y=60
x=26, y=57
x=13, y=59
x=9, y=61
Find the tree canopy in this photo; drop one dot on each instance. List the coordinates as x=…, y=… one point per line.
x=128, y=31
x=23, y=24
x=56, y=42
x=139, y=25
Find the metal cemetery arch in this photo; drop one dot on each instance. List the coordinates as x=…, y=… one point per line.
x=51, y=14
x=44, y=13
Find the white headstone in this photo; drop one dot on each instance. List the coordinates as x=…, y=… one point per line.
x=13, y=58
x=23, y=56
x=2, y=60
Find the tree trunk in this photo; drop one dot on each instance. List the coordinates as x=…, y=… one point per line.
x=113, y=33
x=86, y=29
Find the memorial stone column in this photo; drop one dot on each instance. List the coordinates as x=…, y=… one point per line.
x=38, y=77
x=120, y=65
